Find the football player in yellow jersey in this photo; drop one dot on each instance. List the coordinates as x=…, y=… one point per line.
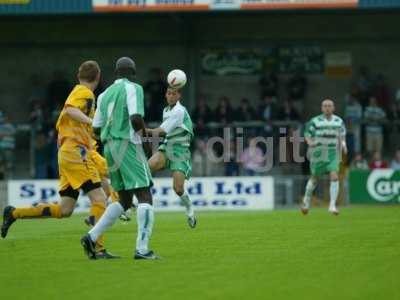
x=77, y=168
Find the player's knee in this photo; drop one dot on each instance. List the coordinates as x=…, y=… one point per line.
x=66, y=212
x=178, y=188
x=125, y=204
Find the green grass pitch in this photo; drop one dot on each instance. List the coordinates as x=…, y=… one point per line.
x=231, y=255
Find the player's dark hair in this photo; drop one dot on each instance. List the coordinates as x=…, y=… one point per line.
x=88, y=71
x=125, y=67
x=179, y=90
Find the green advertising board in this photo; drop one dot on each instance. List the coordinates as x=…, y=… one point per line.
x=307, y=59
x=377, y=186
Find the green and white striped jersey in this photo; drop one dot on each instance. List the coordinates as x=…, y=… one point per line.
x=115, y=106
x=178, y=125
x=324, y=132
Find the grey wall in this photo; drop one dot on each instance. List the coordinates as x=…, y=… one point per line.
x=42, y=45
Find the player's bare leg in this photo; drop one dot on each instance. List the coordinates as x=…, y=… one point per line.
x=157, y=162
x=179, y=188
x=310, y=187
x=333, y=193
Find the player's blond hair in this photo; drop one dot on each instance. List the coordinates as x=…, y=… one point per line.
x=89, y=71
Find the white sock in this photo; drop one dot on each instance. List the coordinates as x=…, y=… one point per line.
x=310, y=187
x=145, y=220
x=333, y=192
x=112, y=213
x=187, y=203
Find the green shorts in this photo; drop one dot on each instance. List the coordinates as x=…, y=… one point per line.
x=321, y=163
x=178, y=159
x=127, y=165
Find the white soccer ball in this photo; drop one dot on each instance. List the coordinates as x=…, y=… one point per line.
x=176, y=79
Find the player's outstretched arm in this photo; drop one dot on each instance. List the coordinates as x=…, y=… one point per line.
x=78, y=115
x=158, y=132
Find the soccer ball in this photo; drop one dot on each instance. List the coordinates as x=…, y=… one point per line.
x=176, y=79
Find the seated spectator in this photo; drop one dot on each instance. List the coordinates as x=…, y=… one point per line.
x=155, y=87
x=287, y=112
x=245, y=112
x=359, y=162
x=7, y=142
x=375, y=118
x=252, y=159
x=269, y=84
x=395, y=163
x=377, y=162
x=201, y=116
x=224, y=112
x=202, y=164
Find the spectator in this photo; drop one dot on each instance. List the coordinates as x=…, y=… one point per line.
x=353, y=119
x=377, y=162
x=269, y=84
x=57, y=90
x=7, y=143
x=224, y=112
x=201, y=116
x=202, y=164
x=395, y=163
x=381, y=93
x=252, y=159
x=375, y=116
x=287, y=112
x=245, y=112
x=156, y=87
x=359, y=162
x=267, y=113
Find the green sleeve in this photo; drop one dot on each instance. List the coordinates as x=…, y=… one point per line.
x=309, y=129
